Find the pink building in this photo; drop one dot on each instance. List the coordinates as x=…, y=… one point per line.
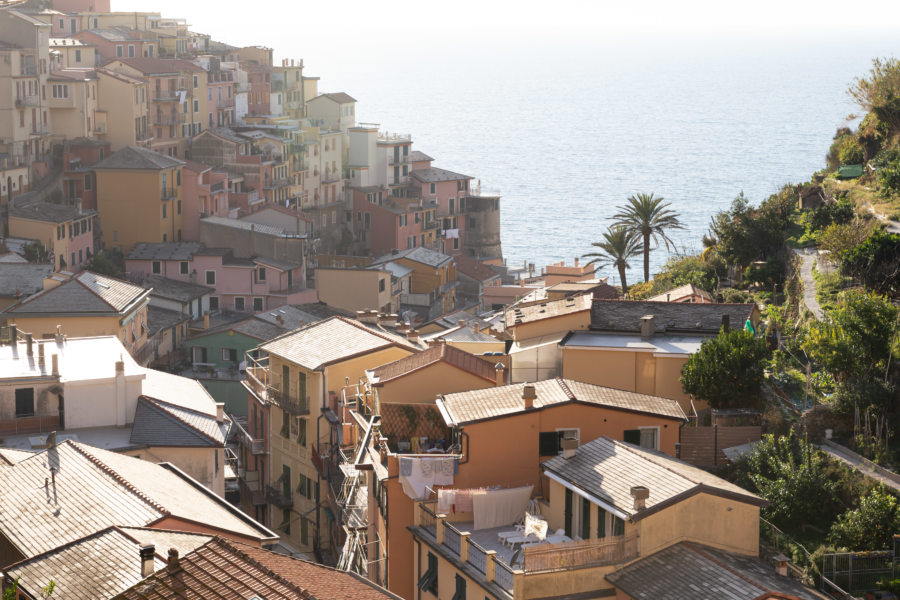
x=204, y=192
x=241, y=284
x=384, y=223
x=220, y=98
x=259, y=78
x=118, y=42
x=449, y=190
x=79, y=181
x=66, y=232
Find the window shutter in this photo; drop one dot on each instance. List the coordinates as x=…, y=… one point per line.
x=633, y=436
x=585, y=518
x=548, y=443
x=567, y=522
x=601, y=522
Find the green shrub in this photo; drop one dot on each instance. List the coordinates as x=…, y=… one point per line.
x=870, y=526
x=727, y=370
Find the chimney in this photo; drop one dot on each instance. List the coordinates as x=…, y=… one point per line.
x=640, y=495
x=220, y=412
x=413, y=336
x=173, y=564
x=58, y=336
x=499, y=374
x=55, y=362
x=51, y=439
x=280, y=320
x=647, y=326
x=147, y=565
x=781, y=564
x=576, y=261
x=528, y=395
x=121, y=410
x=29, y=340
x=726, y=322
x=13, y=335
x=41, y=356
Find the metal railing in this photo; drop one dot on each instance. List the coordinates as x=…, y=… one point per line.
x=477, y=557
x=451, y=537
x=277, y=497
x=503, y=575
x=427, y=519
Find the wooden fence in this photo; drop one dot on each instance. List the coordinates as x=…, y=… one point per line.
x=702, y=446
x=581, y=553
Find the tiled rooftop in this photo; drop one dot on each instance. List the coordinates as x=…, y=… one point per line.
x=224, y=570
x=135, y=157
x=434, y=175
x=20, y=280
x=439, y=353
x=476, y=405
x=324, y=342
x=607, y=469
x=418, y=254
x=683, y=291
x=86, y=293
x=669, y=317
x=174, y=289
x=164, y=251
x=518, y=315
x=680, y=571
x=49, y=212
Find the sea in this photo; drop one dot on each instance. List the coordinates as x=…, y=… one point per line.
x=565, y=133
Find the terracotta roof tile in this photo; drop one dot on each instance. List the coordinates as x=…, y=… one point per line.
x=439, y=353
x=466, y=407
x=474, y=269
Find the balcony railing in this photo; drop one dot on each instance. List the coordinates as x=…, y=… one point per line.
x=27, y=101
x=259, y=383
x=277, y=497
x=255, y=446
x=289, y=403
x=400, y=160
x=166, y=95
x=218, y=186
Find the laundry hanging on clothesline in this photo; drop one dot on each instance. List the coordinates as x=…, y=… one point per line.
x=419, y=473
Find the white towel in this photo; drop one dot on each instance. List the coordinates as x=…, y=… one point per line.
x=500, y=507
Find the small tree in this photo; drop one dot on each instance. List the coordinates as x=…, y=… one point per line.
x=650, y=218
x=727, y=370
x=870, y=526
x=875, y=263
x=618, y=246
x=879, y=92
x=36, y=252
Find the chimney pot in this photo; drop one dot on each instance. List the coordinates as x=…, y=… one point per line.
x=51, y=439
x=412, y=335
x=640, y=494
x=120, y=367
x=147, y=553
x=528, y=395
x=220, y=412
x=29, y=340
x=647, y=326
x=173, y=561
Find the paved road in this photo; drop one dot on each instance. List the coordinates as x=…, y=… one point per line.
x=854, y=463
x=807, y=260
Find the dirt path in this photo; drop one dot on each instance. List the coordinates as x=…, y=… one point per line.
x=807, y=260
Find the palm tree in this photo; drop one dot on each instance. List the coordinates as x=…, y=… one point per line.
x=618, y=245
x=649, y=217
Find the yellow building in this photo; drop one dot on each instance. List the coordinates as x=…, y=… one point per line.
x=72, y=97
x=69, y=53
x=605, y=505
x=139, y=197
x=123, y=107
x=85, y=305
x=66, y=232
x=432, y=283
x=293, y=406
x=357, y=289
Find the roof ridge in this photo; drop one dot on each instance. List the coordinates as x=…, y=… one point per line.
x=156, y=403
x=121, y=480
x=69, y=544
x=235, y=550
x=362, y=327
x=711, y=558
x=650, y=456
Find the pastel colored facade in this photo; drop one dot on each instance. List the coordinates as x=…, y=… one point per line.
x=561, y=272
x=432, y=284
x=85, y=305
x=204, y=193
x=259, y=82
x=384, y=223
x=139, y=197
x=79, y=181
x=118, y=42
x=293, y=84
x=491, y=418
x=220, y=98
x=241, y=284
x=336, y=111
x=178, y=100
x=26, y=124
x=293, y=395
x=70, y=53
x=357, y=289
x=78, y=6
x=67, y=232
x=124, y=103
x=73, y=101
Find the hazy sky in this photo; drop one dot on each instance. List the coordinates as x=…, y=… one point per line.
x=351, y=27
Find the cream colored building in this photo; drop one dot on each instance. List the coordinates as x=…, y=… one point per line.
x=73, y=98
x=357, y=289
x=123, y=107
x=69, y=53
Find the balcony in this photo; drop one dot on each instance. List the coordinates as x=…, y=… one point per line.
x=166, y=120
x=512, y=569
x=282, y=498
x=272, y=184
x=217, y=187
x=166, y=96
x=428, y=225
x=258, y=382
x=399, y=160
x=255, y=446
x=23, y=101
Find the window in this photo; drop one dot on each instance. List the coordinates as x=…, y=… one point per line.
x=229, y=354
x=285, y=521
x=303, y=486
x=429, y=580
x=183, y=267
x=164, y=211
x=460, y=593
x=196, y=81
x=130, y=50
x=645, y=437
x=285, y=424
x=60, y=90
x=156, y=267
x=261, y=274
x=381, y=285
x=24, y=402
x=196, y=106
x=258, y=305
x=301, y=432
x=213, y=303
x=78, y=56
x=178, y=177
x=119, y=51
x=550, y=442
x=178, y=207
x=88, y=182
x=304, y=531
x=210, y=278
x=432, y=188
x=239, y=303
x=301, y=390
